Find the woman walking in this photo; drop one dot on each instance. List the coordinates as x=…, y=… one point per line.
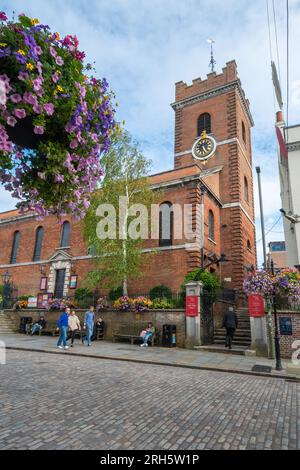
x=74, y=326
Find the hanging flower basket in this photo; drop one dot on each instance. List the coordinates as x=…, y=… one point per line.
x=285, y=284
x=55, y=121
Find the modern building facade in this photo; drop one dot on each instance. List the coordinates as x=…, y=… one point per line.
x=220, y=187
x=289, y=170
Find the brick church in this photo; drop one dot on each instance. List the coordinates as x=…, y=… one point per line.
x=214, y=110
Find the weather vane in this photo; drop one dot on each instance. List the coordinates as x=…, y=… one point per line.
x=212, y=60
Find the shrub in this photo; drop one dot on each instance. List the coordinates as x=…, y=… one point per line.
x=210, y=282
x=160, y=292
x=115, y=294
x=162, y=304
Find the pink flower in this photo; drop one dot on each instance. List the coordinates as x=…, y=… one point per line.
x=20, y=113
x=37, y=84
x=39, y=130
x=30, y=99
x=3, y=97
x=42, y=176
x=11, y=121
x=39, y=67
x=55, y=77
x=59, y=60
x=80, y=56
x=38, y=109
x=3, y=16
x=16, y=98
x=69, y=128
x=49, y=108
x=74, y=144
x=59, y=179
x=23, y=76
x=38, y=50
x=78, y=120
x=53, y=52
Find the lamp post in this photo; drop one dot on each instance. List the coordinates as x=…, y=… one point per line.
x=277, y=338
x=6, y=291
x=223, y=259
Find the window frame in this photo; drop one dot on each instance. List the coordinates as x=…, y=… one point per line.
x=15, y=247
x=204, y=127
x=166, y=242
x=63, y=236
x=38, y=243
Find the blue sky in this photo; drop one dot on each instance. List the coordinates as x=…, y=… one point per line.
x=144, y=46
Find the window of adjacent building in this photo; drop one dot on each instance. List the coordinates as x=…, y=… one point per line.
x=211, y=225
x=248, y=245
x=166, y=222
x=38, y=244
x=65, y=235
x=246, y=189
x=15, y=248
x=244, y=132
x=204, y=124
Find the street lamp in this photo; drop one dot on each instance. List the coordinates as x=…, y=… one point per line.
x=222, y=260
x=6, y=277
x=277, y=338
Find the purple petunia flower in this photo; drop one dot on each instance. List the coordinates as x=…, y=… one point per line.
x=11, y=121
x=30, y=98
x=38, y=109
x=59, y=60
x=55, y=77
x=20, y=113
x=53, y=52
x=74, y=144
x=16, y=98
x=39, y=130
x=49, y=108
x=59, y=179
x=38, y=50
x=23, y=76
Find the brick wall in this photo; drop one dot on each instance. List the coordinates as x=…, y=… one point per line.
x=287, y=341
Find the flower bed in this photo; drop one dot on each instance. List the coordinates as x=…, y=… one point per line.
x=55, y=121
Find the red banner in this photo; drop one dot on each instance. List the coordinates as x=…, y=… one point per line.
x=192, y=303
x=256, y=305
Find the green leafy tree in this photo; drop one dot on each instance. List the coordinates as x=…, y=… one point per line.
x=120, y=258
x=210, y=281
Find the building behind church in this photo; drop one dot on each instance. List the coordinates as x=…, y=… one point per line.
x=223, y=184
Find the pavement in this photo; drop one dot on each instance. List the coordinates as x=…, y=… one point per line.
x=174, y=357
x=58, y=402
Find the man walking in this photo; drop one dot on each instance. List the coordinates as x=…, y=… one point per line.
x=63, y=324
x=230, y=322
x=89, y=320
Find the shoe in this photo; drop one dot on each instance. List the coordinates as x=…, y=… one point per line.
x=66, y=347
x=146, y=345
x=60, y=347
x=72, y=346
x=142, y=345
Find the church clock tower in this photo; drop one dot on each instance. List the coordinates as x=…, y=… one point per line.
x=213, y=131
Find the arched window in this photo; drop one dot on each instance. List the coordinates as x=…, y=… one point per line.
x=65, y=235
x=211, y=225
x=204, y=124
x=166, y=222
x=246, y=189
x=248, y=245
x=244, y=132
x=38, y=244
x=15, y=247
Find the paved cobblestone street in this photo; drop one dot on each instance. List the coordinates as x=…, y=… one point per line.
x=60, y=402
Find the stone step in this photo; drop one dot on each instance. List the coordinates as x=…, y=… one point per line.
x=245, y=344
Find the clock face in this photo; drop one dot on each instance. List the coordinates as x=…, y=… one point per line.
x=204, y=148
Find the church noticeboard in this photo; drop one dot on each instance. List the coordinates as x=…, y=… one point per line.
x=285, y=326
x=192, y=302
x=43, y=299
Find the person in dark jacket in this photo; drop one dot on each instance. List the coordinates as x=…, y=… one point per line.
x=230, y=322
x=38, y=326
x=63, y=324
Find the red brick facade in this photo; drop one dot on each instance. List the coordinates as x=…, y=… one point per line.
x=223, y=178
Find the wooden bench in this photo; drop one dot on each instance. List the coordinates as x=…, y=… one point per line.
x=50, y=328
x=132, y=332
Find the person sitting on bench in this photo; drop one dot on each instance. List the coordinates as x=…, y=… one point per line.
x=38, y=326
x=147, y=334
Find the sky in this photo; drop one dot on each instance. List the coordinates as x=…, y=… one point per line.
x=143, y=47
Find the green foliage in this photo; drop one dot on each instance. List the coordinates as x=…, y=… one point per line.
x=1, y=289
x=25, y=297
x=159, y=292
x=210, y=282
x=126, y=172
x=162, y=303
x=115, y=294
x=82, y=293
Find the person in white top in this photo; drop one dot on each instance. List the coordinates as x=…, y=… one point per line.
x=74, y=326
